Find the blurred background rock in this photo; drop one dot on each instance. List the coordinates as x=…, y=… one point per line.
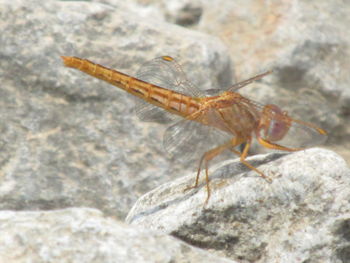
x=70, y=140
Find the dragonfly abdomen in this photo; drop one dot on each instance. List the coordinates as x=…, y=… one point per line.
x=169, y=100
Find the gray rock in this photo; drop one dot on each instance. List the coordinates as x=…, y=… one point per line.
x=306, y=43
x=85, y=235
x=67, y=139
x=306, y=40
x=302, y=216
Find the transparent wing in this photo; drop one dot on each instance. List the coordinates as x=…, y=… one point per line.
x=150, y=113
x=246, y=82
x=236, y=86
x=164, y=72
x=300, y=135
x=212, y=92
x=189, y=139
x=279, y=128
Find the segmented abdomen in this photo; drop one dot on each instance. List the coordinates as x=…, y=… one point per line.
x=169, y=100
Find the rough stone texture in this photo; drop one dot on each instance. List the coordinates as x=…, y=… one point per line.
x=85, y=235
x=68, y=139
x=302, y=216
x=306, y=43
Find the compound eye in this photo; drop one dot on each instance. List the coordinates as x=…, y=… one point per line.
x=278, y=124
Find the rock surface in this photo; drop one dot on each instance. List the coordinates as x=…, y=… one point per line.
x=306, y=43
x=85, y=235
x=68, y=139
x=302, y=216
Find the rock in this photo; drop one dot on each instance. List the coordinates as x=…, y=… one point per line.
x=302, y=38
x=304, y=42
x=85, y=235
x=302, y=216
x=68, y=139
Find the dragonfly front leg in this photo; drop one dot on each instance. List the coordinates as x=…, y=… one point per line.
x=244, y=154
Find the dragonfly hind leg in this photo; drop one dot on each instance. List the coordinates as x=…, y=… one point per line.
x=209, y=155
x=206, y=157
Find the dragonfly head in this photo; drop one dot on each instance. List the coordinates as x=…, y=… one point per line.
x=274, y=123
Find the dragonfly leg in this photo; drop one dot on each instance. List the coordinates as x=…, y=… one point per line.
x=206, y=157
x=276, y=146
x=244, y=154
x=198, y=174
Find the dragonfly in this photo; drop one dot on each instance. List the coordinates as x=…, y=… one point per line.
x=205, y=125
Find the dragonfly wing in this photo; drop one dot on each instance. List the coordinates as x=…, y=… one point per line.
x=301, y=135
x=246, y=82
x=164, y=72
x=277, y=127
x=212, y=92
x=189, y=139
x=150, y=113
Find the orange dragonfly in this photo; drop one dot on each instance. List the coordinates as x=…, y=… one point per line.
x=208, y=124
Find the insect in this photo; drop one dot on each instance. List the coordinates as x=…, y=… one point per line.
x=208, y=125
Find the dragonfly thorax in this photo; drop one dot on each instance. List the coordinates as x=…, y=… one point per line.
x=224, y=100
x=231, y=113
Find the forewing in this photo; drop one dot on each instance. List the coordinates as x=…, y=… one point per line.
x=235, y=87
x=246, y=82
x=164, y=72
x=188, y=140
x=302, y=135
x=299, y=134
